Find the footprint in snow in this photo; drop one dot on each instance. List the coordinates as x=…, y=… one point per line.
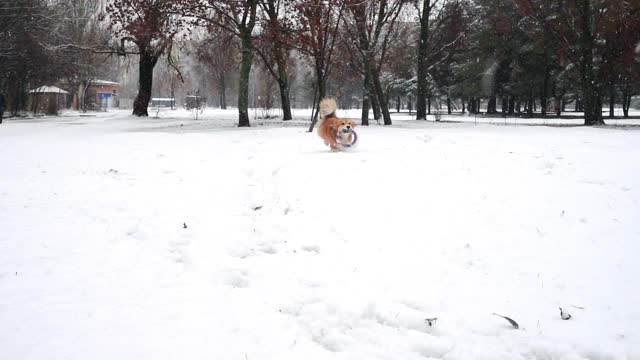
x=424, y=138
x=244, y=252
x=178, y=250
x=268, y=249
x=237, y=278
x=311, y=248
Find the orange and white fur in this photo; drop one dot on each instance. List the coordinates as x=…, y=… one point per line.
x=331, y=125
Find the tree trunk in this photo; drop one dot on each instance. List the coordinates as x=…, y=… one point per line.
x=492, y=105
x=448, y=105
x=398, y=103
x=243, y=86
x=423, y=86
x=375, y=105
x=145, y=83
x=559, y=107
x=593, y=107
x=612, y=100
x=578, y=107
x=379, y=92
x=322, y=90
x=365, y=110
x=82, y=92
x=512, y=105
x=464, y=110
x=173, y=97
x=626, y=102
x=284, y=99
x=590, y=90
x=366, y=102
x=429, y=105
x=222, y=90
x=283, y=84
x=545, y=86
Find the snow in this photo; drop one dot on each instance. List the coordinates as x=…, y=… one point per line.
x=293, y=252
x=48, y=89
x=104, y=82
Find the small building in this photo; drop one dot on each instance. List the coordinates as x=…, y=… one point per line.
x=102, y=95
x=48, y=99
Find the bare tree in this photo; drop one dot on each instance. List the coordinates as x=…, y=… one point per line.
x=218, y=52
x=86, y=41
x=372, y=24
x=238, y=17
x=319, y=22
x=273, y=47
x=151, y=25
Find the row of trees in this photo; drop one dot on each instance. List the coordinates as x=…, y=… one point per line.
x=514, y=55
x=45, y=42
x=512, y=52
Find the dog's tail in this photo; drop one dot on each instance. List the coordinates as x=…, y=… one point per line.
x=327, y=107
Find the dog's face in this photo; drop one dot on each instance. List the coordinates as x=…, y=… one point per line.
x=344, y=126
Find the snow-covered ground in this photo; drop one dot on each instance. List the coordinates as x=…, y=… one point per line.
x=293, y=252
